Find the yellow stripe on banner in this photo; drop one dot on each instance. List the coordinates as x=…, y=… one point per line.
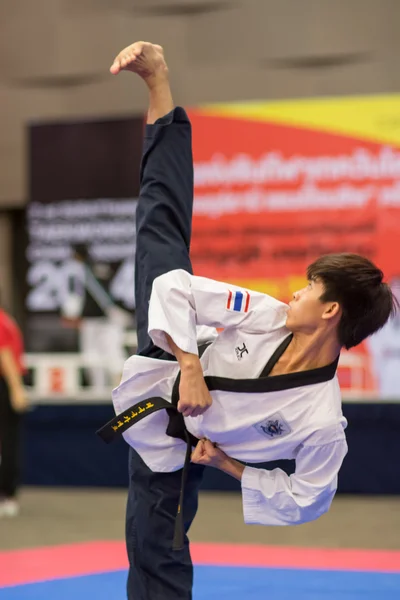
x=265, y=286
x=373, y=118
x=278, y=288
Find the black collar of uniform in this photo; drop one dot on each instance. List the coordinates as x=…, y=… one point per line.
x=276, y=383
x=276, y=356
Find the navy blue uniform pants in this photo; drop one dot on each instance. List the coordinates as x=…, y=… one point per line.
x=163, y=223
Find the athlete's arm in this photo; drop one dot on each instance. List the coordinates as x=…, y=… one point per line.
x=194, y=397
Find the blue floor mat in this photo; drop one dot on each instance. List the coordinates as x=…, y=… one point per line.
x=228, y=583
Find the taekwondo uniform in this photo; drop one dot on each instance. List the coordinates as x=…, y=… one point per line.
x=253, y=418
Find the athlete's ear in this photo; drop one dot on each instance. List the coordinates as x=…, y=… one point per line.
x=332, y=310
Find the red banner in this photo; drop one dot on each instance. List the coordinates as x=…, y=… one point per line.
x=272, y=197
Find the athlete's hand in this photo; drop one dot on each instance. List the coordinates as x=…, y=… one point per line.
x=207, y=453
x=194, y=397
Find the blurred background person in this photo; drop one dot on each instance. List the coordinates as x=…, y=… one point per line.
x=88, y=306
x=384, y=347
x=13, y=403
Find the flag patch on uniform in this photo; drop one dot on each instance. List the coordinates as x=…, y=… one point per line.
x=273, y=427
x=238, y=301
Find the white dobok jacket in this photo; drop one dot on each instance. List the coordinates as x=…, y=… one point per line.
x=252, y=419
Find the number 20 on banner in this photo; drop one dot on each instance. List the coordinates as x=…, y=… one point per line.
x=49, y=281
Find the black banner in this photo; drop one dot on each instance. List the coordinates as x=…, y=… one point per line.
x=80, y=226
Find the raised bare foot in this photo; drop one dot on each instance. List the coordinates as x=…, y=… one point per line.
x=143, y=58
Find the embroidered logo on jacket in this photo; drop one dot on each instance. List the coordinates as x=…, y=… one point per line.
x=274, y=427
x=240, y=351
x=238, y=301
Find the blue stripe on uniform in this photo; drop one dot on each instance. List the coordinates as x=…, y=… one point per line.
x=238, y=301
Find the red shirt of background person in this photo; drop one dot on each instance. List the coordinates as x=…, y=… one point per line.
x=12, y=366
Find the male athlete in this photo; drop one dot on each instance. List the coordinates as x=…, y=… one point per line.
x=262, y=390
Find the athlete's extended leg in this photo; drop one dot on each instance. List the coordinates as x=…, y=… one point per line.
x=164, y=213
x=163, y=237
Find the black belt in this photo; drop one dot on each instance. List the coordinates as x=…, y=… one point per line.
x=176, y=428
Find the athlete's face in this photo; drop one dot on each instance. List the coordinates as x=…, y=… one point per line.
x=306, y=311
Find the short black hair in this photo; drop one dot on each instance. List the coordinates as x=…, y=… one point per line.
x=367, y=302
x=81, y=250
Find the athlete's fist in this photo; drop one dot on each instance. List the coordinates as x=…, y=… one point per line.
x=207, y=453
x=194, y=397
